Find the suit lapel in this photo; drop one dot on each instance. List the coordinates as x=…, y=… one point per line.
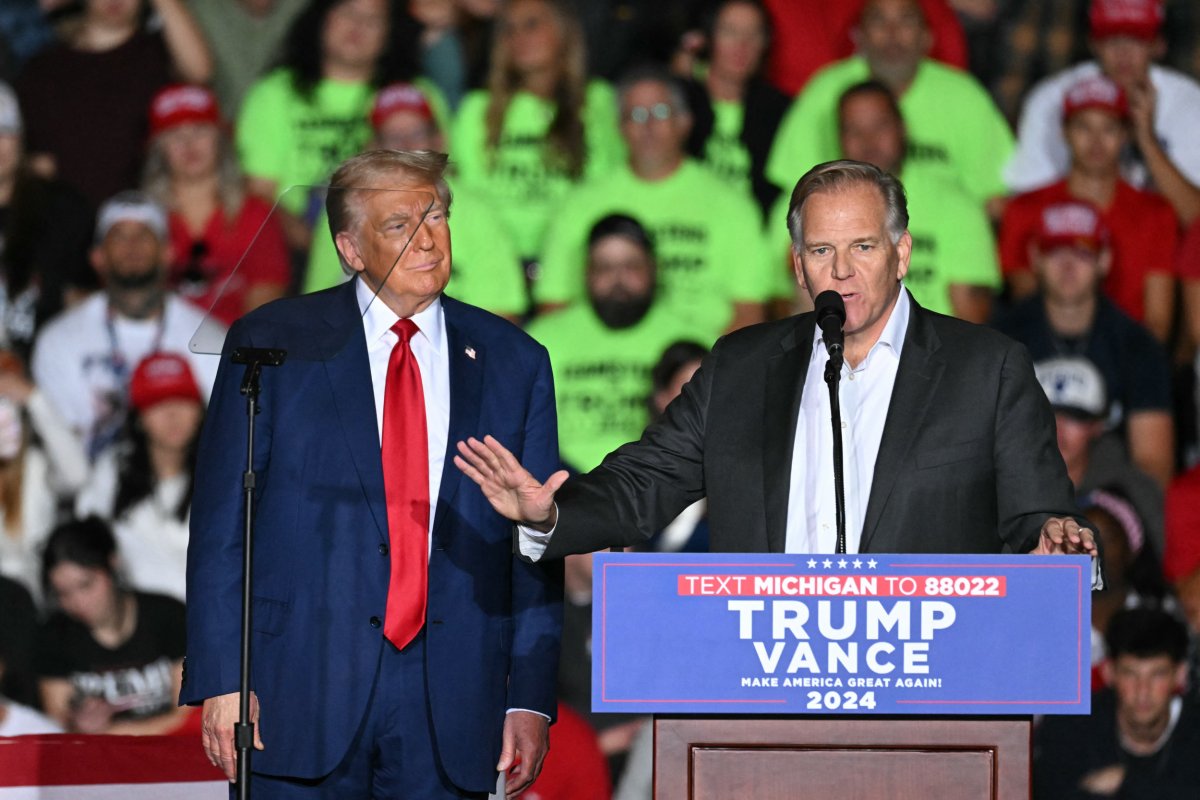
x=349, y=374
x=786, y=371
x=917, y=379
x=466, y=359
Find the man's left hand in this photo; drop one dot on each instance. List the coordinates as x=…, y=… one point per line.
x=1065, y=536
x=526, y=742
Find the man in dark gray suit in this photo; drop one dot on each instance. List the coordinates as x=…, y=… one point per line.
x=949, y=441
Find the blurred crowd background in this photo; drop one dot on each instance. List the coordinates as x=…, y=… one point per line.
x=621, y=173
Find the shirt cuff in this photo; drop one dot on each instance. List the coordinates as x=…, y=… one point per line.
x=533, y=544
x=528, y=711
x=1097, y=575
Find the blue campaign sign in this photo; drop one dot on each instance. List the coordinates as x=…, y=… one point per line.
x=856, y=634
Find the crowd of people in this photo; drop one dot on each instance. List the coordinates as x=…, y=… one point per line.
x=621, y=175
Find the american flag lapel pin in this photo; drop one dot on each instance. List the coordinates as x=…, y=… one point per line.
x=470, y=351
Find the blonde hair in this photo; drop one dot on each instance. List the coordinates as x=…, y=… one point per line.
x=565, y=137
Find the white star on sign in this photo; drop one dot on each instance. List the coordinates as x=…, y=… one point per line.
x=857, y=563
x=871, y=563
x=827, y=563
x=812, y=563
x=842, y=563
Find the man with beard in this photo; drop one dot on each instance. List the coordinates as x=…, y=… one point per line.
x=712, y=269
x=602, y=349
x=84, y=357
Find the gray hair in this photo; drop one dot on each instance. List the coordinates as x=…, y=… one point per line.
x=364, y=172
x=649, y=73
x=837, y=176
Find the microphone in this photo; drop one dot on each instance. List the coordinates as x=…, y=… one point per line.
x=831, y=316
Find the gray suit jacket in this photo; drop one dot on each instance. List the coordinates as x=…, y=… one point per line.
x=968, y=462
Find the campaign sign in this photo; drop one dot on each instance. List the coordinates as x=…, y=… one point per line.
x=855, y=634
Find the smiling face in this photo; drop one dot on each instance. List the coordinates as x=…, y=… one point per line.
x=846, y=247
x=401, y=250
x=355, y=33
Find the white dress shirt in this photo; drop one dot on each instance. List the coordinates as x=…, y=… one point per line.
x=865, y=393
x=433, y=360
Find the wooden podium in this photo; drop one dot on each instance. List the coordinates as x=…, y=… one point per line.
x=875, y=758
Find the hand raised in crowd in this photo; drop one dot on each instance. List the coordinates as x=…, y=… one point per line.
x=1143, y=99
x=512, y=491
x=526, y=741
x=1065, y=536
x=216, y=730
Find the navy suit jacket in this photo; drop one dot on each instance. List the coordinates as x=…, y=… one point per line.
x=493, y=621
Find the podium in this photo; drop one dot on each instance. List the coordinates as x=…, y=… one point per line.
x=881, y=677
x=796, y=758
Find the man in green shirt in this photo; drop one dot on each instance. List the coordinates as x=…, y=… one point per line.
x=712, y=270
x=953, y=268
x=487, y=272
x=602, y=348
x=955, y=130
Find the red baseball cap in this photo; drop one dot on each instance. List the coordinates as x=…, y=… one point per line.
x=1095, y=92
x=159, y=377
x=398, y=97
x=1141, y=19
x=180, y=104
x=1071, y=224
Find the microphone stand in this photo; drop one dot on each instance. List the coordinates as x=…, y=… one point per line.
x=255, y=358
x=833, y=376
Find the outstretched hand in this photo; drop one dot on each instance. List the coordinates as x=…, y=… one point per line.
x=508, y=486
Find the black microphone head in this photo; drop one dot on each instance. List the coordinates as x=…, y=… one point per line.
x=829, y=306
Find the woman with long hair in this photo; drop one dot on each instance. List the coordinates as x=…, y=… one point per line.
x=109, y=660
x=226, y=247
x=736, y=111
x=143, y=484
x=304, y=118
x=540, y=126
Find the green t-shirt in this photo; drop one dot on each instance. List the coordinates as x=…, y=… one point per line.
x=525, y=186
x=952, y=241
x=602, y=377
x=298, y=143
x=708, y=240
x=485, y=270
x=954, y=128
x=724, y=152
x=293, y=142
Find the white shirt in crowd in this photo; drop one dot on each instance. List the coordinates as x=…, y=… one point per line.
x=78, y=357
x=1041, y=156
x=54, y=470
x=151, y=539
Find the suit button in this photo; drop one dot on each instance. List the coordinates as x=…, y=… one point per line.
x=383, y=549
x=375, y=623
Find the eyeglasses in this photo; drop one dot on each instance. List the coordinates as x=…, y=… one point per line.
x=640, y=115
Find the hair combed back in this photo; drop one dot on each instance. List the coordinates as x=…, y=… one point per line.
x=382, y=170
x=838, y=176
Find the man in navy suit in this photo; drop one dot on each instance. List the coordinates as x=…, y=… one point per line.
x=346, y=707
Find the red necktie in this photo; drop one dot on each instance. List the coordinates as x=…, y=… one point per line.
x=406, y=485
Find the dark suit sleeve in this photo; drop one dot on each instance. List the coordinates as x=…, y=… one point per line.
x=537, y=589
x=214, y=564
x=640, y=486
x=1031, y=480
